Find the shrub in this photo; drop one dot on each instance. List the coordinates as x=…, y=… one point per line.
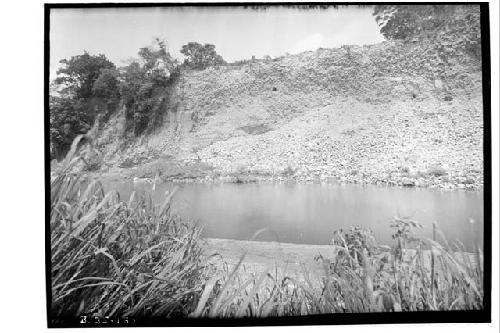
x=404, y=169
x=67, y=118
x=288, y=171
x=356, y=239
x=437, y=171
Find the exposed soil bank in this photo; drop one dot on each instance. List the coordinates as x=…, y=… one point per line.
x=283, y=259
x=382, y=114
x=199, y=172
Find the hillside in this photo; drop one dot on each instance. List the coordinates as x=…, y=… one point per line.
x=372, y=114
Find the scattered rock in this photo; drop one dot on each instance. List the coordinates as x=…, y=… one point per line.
x=333, y=117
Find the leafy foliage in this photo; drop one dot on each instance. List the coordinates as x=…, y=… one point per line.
x=200, y=56
x=356, y=239
x=378, y=280
x=68, y=118
x=80, y=72
x=107, y=84
x=404, y=233
x=88, y=86
x=144, y=83
x=84, y=82
x=113, y=258
x=449, y=37
x=451, y=26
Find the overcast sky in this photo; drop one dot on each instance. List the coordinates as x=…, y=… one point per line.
x=237, y=33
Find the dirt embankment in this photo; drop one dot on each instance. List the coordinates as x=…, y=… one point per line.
x=387, y=114
x=302, y=262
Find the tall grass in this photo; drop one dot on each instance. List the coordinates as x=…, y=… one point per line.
x=115, y=258
x=361, y=276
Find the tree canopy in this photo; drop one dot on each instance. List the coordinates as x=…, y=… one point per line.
x=107, y=84
x=200, y=56
x=79, y=73
x=452, y=26
x=142, y=80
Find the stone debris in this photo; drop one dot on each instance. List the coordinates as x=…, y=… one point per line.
x=374, y=115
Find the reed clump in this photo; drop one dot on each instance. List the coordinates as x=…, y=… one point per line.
x=361, y=276
x=116, y=258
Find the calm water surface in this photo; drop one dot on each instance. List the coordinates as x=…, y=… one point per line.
x=309, y=213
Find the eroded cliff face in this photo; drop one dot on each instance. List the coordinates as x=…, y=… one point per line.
x=388, y=113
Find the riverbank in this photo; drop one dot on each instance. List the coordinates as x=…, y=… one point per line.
x=169, y=170
x=298, y=261
x=431, y=145
x=283, y=259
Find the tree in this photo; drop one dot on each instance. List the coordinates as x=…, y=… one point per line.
x=450, y=33
x=106, y=85
x=86, y=86
x=143, y=84
x=200, y=56
x=156, y=60
x=406, y=21
x=68, y=117
x=452, y=26
x=80, y=72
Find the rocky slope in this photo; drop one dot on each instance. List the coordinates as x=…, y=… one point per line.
x=372, y=114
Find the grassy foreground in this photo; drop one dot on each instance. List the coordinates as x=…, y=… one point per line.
x=116, y=258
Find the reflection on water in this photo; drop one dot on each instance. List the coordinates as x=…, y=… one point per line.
x=309, y=213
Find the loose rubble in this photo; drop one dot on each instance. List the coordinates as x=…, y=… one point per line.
x=372, y=115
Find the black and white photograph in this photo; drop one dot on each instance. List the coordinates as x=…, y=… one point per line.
x=267, y=164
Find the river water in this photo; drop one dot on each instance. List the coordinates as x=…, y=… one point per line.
x=309, y=213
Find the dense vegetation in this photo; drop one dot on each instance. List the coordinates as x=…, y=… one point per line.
x=201, y=56
x=454, y=26
x=144, y=84
x=90, y=87
x=115, y=258
x=82, y=82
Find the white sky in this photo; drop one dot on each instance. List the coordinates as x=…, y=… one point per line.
x=237, y=33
